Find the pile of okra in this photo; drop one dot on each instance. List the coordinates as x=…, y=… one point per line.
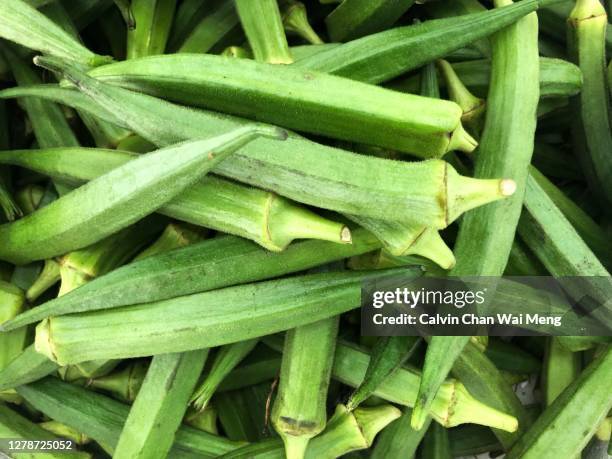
x=193, y=193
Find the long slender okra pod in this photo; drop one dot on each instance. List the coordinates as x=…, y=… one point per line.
x=225, y=360
x=16, y=427
x=153, y=21
x=264, y=217
x=235, y=261
x=194, y=321
x=561, y=368
x=295, y=20
x=175, y=236
x=357, y=18
x=22, y=24
x=591, y=131
x=386, y=55
x=486, y=235
x=65, y=225
x=566, y=426
x=299, y=99
x=25, y=368
x=299, y=412
x=7, y=203
x=311, y=173
x=263, y=25
x=102, y=418
x=160, y=405
x=12, y=302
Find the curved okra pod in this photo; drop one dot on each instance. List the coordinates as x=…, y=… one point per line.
x=299, y=99
x=295, y=20
x=235, y=260
x=299, y=412
x=263, y=25
x=266, y=218
x=430, y=192
x=591, y=131
x=71, y=222
x=203, y=320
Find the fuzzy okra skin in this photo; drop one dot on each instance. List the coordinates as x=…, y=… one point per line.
x=566, y=426
x=386, y=55
x=263, y=25
x=561, y=368
x=591, y=130
x=160, y=405
x=429, y=192
x=153, y=21
x=204, y=319
x=25, y=368
x=128, y=193
x=299, y=412
x=102, y=418
x=299, y=99
x=266, y=218
x=208, y=265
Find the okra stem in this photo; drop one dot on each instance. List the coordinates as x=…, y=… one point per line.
x=49, y=276
x=295, y=20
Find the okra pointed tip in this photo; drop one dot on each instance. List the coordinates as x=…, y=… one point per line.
x=507, y=187
x=419, y=416
x=42, y=341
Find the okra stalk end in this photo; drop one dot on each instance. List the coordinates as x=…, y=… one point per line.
x=295, y=446
x=466, y=193
x=295, y=19
x=372, y=420
x=587, y=9
x=43, y=343
x=461, y=140
x=431, y=246
x=49, y=276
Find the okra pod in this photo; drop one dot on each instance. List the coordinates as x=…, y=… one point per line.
x=268, y=307
x=91, y=371
x=591, y=130
x=12, y=302
x=63, y=431
x=225, y=360
x=65, y=224
x=102, y=418
x=471, y=440
x=205, y=420
x=386, y=55
x=263, y=25
x=49, y=276
x=123, y=384
x=264, y=368
x=235, y=261
x=160, y=405
x=127, y=12
x=23, y=24
x=299, y=412
x=436, y=444
x=268, y=219
x=313, y=102
x=188, y=14
x=174, y=236
x=222, y=19
x=25, y=368
x=357, y=18
x=509, y=357
x=153, y=19
x=566, y=426
x=312, y=174
x=561, y=368
x=399, y=440
x=295, y=20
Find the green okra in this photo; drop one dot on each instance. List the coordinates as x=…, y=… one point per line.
x=115, y=31
x=311, y=173
x=436, y=444
x=238, y=422
x=234, y=260
x=558, y=78
x=63, y=431
x=188, y=14
x=49, y=276
x=561, y=368
x=263, y=25
x=91, y=370
x=268, y=219
x=211, y=29
x=8, y=204
x=357, y=18
x=409, y=239
x=16, y=427
x=153, y=20
x=225, y=361
x=470, y=440
x=102, y=418
x=203, y=320
x=304, y=51
x=205, y=420
x=84, y=12
x=313, y=102
x=23, y=24
x=582, y=343
x=126, y=9
x=485, y=382
x=66, y=224
x=345, y=432
x=386, y=55
x=237, y=52
x=12, y=302
x=251, y=372
x=388, y=354
x=175, y=236
x=566, y=426
x=399, y=440
x=299, y=411
x=25, y=368
x=509, y=357
x=439, y=10
x=551, y=237
x=591, y=130
x=123, y=384
x=160, y=405
x=295, y=20
x=486, y=235
x=553, y=162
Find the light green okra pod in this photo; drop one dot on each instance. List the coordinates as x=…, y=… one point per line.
x=561, y=368
x=153, y=19
x=299, y=412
